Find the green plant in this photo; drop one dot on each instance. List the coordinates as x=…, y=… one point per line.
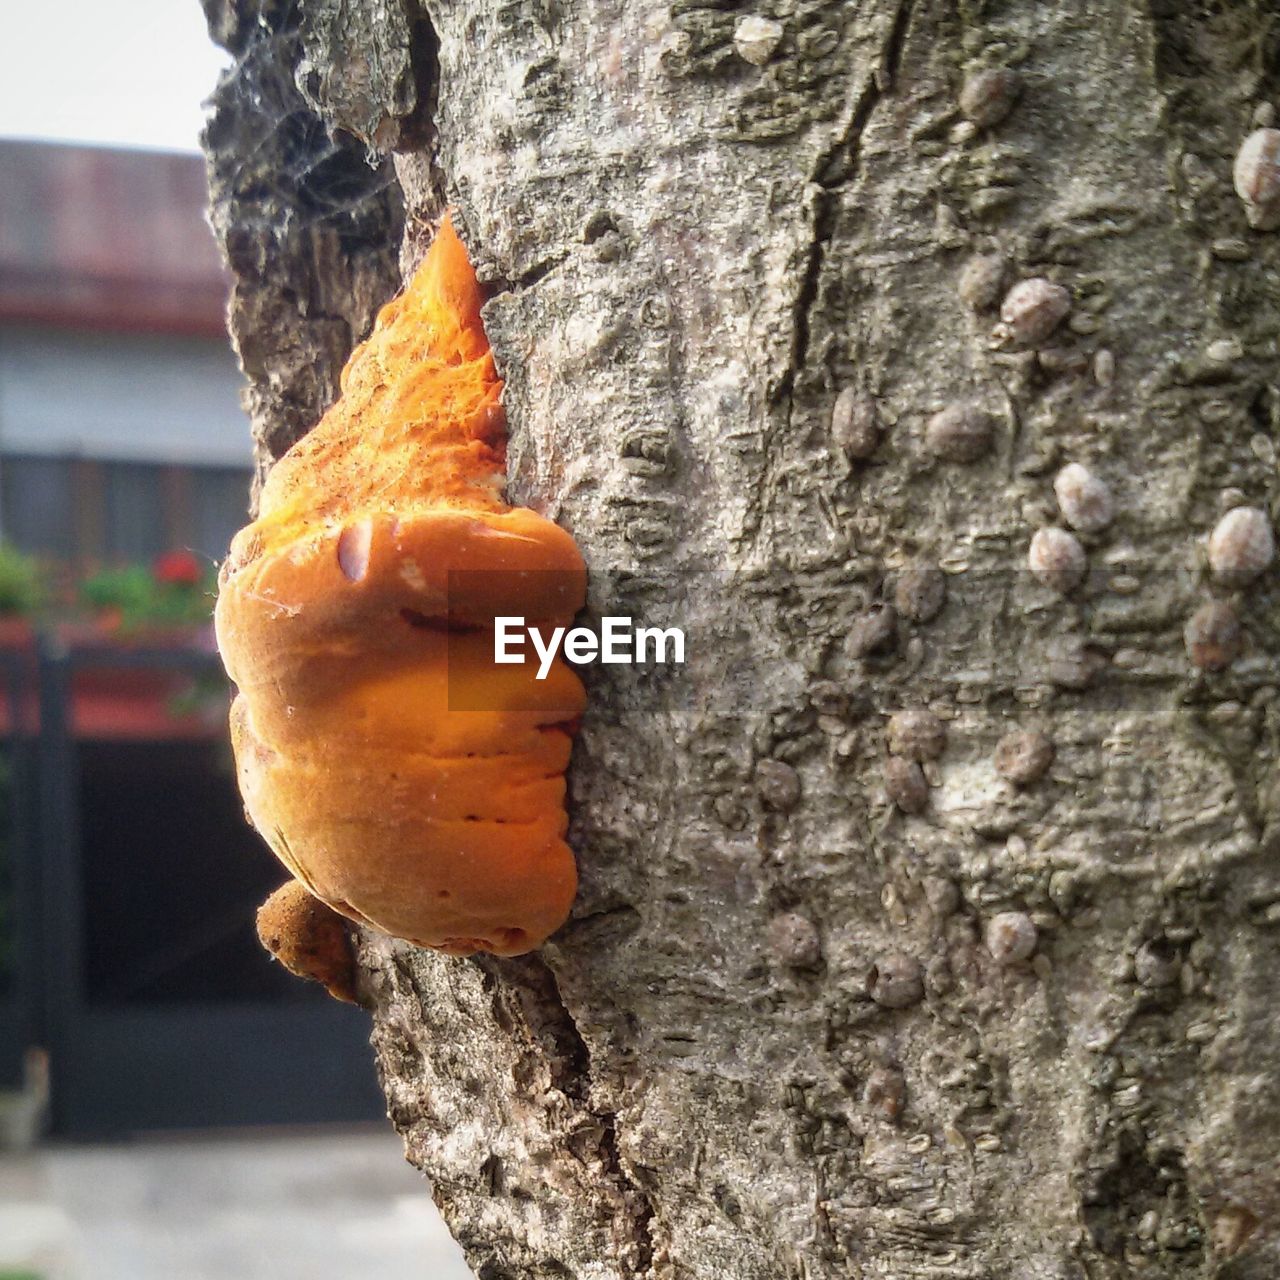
x=22, y=588
x=137, y=596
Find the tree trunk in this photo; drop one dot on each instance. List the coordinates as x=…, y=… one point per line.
x=822, y=1010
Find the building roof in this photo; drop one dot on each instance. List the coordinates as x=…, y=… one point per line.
x=93, y=237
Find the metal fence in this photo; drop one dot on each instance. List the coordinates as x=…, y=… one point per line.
x=132, y=881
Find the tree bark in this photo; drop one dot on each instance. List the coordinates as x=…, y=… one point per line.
x=792, y=1029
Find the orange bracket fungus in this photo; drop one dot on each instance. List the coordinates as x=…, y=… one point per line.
x=309, y=939
x=402, y=776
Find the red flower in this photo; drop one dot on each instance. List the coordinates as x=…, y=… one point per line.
x=178, y=567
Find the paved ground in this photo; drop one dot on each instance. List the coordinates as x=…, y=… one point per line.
x=339, y=1205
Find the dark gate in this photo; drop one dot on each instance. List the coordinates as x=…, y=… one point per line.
x=19, y=989
x=157, y=1005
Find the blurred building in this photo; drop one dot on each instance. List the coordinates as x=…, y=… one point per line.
x=128, y=876
x=121, y=435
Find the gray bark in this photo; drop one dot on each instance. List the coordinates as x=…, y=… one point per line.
x=774, y=1040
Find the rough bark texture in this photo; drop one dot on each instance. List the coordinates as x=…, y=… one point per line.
x=311, y=231
x=774, y=1040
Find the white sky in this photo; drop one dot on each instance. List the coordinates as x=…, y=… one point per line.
x=126, y=73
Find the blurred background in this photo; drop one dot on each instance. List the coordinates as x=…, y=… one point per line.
x=171, y=1102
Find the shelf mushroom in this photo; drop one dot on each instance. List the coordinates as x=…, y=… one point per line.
x=402, y=776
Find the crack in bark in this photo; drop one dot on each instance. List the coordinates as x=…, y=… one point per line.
x=570, y=1067
x=418, y=130
x=636, y=1203
x=835, y=167
x=539, y=271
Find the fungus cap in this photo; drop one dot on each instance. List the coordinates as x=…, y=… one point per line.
x=402, y=776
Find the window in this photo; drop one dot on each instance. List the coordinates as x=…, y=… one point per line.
x=115, y=513
x=219, y=506
x=37, y=512
x=133, y=523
